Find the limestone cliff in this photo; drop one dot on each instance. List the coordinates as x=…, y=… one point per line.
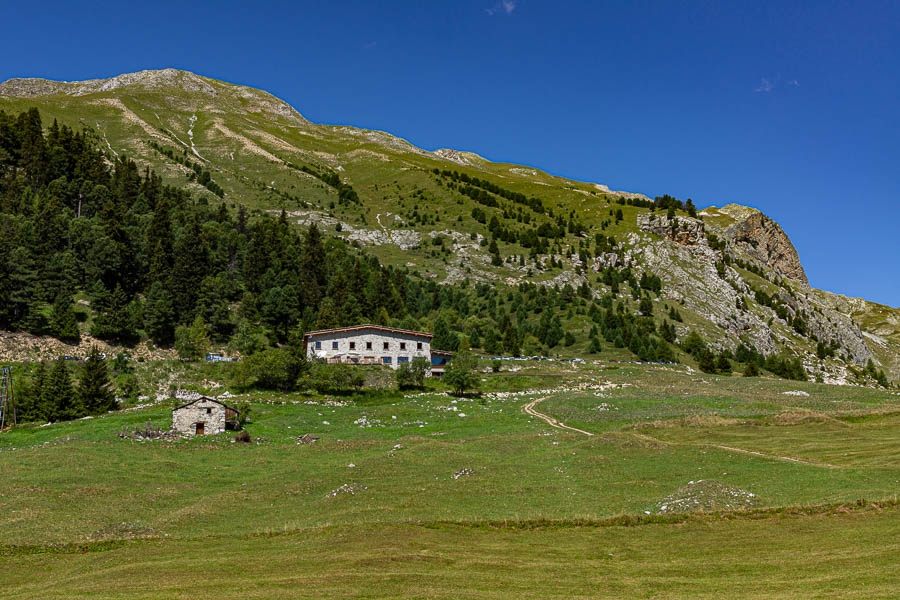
x=761, y=238
x=681, y=230
x=748, y=231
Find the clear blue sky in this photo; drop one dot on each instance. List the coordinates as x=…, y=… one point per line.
x=791, y=107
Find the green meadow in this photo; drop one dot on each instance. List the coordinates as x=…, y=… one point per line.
x=691, y=485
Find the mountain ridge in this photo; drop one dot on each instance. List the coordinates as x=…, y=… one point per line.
x=429, y=210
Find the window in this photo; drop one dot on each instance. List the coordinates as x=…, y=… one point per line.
x=386, y=345
x=418, y=345
x=334, y=345
x=353, y=345
x=403, y=345
x=209, y=411
x=403, y=360
x=318, y=345
x=368, y=345
x=386, y=360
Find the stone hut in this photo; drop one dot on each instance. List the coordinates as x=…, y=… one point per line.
x=203, y=416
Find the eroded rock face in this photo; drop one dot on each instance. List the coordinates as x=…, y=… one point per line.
x=761, y=238
x=681, y=230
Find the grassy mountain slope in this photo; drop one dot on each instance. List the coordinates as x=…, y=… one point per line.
x=260, y=152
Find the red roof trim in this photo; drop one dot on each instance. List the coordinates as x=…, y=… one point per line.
x=358, y=327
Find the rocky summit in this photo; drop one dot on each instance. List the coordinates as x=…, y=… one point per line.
x=731, y=274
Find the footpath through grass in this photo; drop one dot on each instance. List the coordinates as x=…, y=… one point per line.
x=210, y=517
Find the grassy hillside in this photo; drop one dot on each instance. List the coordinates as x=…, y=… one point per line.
x=424, y=494
x=406, y=206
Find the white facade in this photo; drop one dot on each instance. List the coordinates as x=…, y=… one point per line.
x=368, y=345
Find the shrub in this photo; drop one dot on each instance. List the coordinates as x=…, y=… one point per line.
x=333, y=379
x=412, y=375
x=271, y=369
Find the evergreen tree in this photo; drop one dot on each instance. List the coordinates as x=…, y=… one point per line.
x=192, y=342
x=646, y=306
x=116, y=320
x=94, y=390
x=63, y=322
x=313, y=277
x=707, y=361
x=59, y=396
x=444, y=338
x=723, y=365
x=159, y=315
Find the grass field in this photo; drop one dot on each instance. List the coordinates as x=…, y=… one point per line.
x=425, y=495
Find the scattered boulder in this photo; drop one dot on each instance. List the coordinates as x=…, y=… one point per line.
x=706, y=495
x=463, y=473
x=347, y=488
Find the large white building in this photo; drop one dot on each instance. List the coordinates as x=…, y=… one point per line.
x=368, y=345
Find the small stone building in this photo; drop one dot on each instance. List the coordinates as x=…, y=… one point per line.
x=203, y=416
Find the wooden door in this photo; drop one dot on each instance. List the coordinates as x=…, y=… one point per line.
x=201, y=428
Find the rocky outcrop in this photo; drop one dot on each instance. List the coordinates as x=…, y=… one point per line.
x=681, y=230
x=761, y=238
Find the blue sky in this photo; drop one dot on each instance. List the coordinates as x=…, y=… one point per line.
x=790, y=107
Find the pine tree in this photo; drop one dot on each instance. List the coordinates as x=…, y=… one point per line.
x=63, y=322
x=313, y=277
x=59, y=396
x=115, y=321
x=723, y=365
x=192, y=342
x=159, y=315
x=444, y=338
x=94, y=386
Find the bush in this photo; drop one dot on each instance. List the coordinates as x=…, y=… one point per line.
x=412, y=375
x=271, y=369
x=243, y=413
x=786, y=368
x=334, y=379
x=495, y=366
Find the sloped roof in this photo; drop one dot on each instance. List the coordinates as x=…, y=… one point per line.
x=205, y=398
x=358, y=327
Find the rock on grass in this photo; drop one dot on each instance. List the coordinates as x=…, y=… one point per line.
x=706, y=495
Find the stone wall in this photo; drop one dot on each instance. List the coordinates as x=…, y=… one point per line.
x=204, y=410
x=361, y=338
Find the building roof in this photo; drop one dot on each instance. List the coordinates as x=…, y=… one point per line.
x=204, y=398
x=441, y=352
x=358, y=327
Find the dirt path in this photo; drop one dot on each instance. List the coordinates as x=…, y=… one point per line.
x=529, y=409
x=775, y=456
x=791, y=459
